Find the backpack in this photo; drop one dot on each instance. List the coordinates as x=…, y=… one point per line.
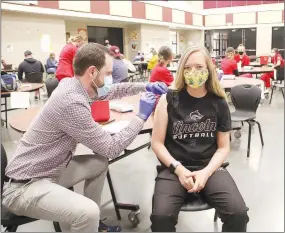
x=9, y=82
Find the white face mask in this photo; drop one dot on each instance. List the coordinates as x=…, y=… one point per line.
x=272, y=54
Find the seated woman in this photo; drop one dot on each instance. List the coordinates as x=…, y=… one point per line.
x=52, y=64
x=241, y=57
x=160, y=73
x=191, y=140
x=277, y=61
x=228, y=64
x=120, y=69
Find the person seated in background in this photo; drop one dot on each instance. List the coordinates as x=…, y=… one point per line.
x=138, y=57
x=160, y=73
x=241, y=57
x=65, y=69
x=277, y=61
x=30, y=65
x=120, y=69
x=191, y=139
x=130, y=66
x=51, y=64
x=107, y=44
x=3, y=66
x=228, y=64
x=153, y=60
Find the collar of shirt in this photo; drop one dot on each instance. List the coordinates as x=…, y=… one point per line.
x=83, y=90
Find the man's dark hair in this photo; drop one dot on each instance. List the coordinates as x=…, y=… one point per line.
x=91, y=54
x=27, y=53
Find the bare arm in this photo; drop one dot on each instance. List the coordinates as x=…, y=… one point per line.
x=223, y=141
x=159, y=133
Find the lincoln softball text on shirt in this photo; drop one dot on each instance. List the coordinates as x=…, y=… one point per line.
x=193, y=124
x=65, y=120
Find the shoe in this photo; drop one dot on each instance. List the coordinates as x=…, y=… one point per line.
x=104, y=228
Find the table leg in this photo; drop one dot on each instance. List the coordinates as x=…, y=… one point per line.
x=6, y=113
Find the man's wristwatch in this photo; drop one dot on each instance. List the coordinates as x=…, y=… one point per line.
x=173, y=166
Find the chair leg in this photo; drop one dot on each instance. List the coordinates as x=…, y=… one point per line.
x=150, y=134
x=249, y=138
x=282, y=91
x=216, y=216
x=242, y=123
x=272, y=90
x=260, y=132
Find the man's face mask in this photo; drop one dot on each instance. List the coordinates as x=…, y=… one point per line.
x=196, y=78
x=106, y=87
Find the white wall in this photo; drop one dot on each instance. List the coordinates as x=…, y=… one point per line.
x=263, y=39
x=154, y=36
x=190, y=38
x=129, y=53
x=24, y=32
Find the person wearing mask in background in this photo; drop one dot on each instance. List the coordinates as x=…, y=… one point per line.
x=51, y=64
x=241, y=57
x=30, y=65
x=160, y=73
x=43, y=166
x=277, y=61
x=191, y=139
x=120, y=69
x=65, y=69
x=153, y=61
x=107, y=44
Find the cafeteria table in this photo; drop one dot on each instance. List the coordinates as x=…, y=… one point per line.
x=256, y=70
x=25, y=87
x=22, y=123
x=228, y=84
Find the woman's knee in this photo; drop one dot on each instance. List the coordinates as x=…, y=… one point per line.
x=163, y=223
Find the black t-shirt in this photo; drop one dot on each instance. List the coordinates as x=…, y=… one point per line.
x=193, y=124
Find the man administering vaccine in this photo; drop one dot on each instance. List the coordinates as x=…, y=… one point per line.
x=43, y=166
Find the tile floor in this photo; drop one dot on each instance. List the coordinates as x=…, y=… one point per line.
x=260, y=178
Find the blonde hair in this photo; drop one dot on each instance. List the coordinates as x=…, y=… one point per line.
x=75, y=38
x=212, y=84
x=51, y=54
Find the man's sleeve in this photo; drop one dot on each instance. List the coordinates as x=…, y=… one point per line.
x=121, y=90
x=77, y=122
x=20, y=72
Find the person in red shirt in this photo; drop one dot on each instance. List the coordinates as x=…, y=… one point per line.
x=65, y=68
x=242, y=57
x=228, y=64
x=160, y=73
x=277, y=61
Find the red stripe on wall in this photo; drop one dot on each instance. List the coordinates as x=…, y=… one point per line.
x=239, y=3
x=229, y=18
x=49, y=4
x=209, y=4
x=269, y=2
x=166, y=14
x=188, y=18
x=100, y=7
x=253, y=2
x=223, y=4
x=138, y=10
x=256, y=17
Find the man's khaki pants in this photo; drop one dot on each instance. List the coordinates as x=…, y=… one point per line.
x=49, y=199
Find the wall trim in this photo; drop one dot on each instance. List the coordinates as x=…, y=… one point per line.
x=244, y=26
x=69, y=13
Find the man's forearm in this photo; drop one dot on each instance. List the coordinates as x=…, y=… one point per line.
x=121, y=90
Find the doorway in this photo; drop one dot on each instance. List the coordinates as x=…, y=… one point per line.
x=100, y=34
x=278, y=39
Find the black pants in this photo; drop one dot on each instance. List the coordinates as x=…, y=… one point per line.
x=220, y=192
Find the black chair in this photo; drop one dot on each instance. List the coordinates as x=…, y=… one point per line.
x=34, y=77
x=51, y=85
x=246, y=99
x=278, y=83
x=10, y=221
x=198, y=204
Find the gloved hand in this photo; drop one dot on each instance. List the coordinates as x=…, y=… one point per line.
x=147, y=103
x=157, y=88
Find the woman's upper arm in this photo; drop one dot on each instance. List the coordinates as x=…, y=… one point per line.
x=160, y=121
x=224, y=125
